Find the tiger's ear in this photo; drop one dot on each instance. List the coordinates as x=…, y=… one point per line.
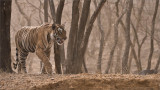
x=53, y=26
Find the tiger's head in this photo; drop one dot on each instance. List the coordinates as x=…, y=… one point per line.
x=59, y=33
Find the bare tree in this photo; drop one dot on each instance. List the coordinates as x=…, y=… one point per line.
x=115, y=40
x=80, y=35
x=127, y=37
x=89, y=29
x=139, y=44
x=39, y=21
x=109, y=20
x=158, y=60
x=139, y=16
x=46, y=11
x=120, y=41
x=28, y=18
x=59, y=50
x=46, y=15
x=52, y=9
x=5, y=47
x=152, y=35
x=83, y=60
x=101, y=41
x=72, y=36
x=79, y=47
x=157, y=65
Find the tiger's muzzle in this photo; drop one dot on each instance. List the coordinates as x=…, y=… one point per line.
x=60, y=41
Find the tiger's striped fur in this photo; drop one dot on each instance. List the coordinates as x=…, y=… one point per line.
x=40, y=40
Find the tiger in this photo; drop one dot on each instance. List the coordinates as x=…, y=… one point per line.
x=39, y=40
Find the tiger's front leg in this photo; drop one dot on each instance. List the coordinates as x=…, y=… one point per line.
x=43, y=57
x=47, y=52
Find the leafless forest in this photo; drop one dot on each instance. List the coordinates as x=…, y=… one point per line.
x=124, y=38
x=103, y=36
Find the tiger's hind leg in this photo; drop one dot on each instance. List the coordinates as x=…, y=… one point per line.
x=22, y=62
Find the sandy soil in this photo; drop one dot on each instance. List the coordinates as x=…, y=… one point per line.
x=79, y=82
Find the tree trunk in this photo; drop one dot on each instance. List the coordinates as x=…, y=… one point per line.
x=72, y=36
x=84, y=43
x=5, y=46
x=59, y=50
x=127, y=38
x=58, y=20
x=59, y=54
x=74, y=65
x=45, y=11
x=87, y=23
x=101, y=41
x=136, y=36
x=52, y=9
x=80, y=35
x=57, y=58
x=59, y=11
x=89, y=28
x=56, y=47
x=84, y=65
x=40, y=17
x=135, y=58
x=157, y=65
x=152, y=35
x=137, y=26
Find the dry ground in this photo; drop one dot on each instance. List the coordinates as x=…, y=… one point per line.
x=79, y=82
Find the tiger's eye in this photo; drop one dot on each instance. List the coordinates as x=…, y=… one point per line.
x=58, y=38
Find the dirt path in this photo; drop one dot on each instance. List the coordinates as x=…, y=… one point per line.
x=79, y=82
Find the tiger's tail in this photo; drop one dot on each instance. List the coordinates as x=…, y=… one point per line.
x=16, y=64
